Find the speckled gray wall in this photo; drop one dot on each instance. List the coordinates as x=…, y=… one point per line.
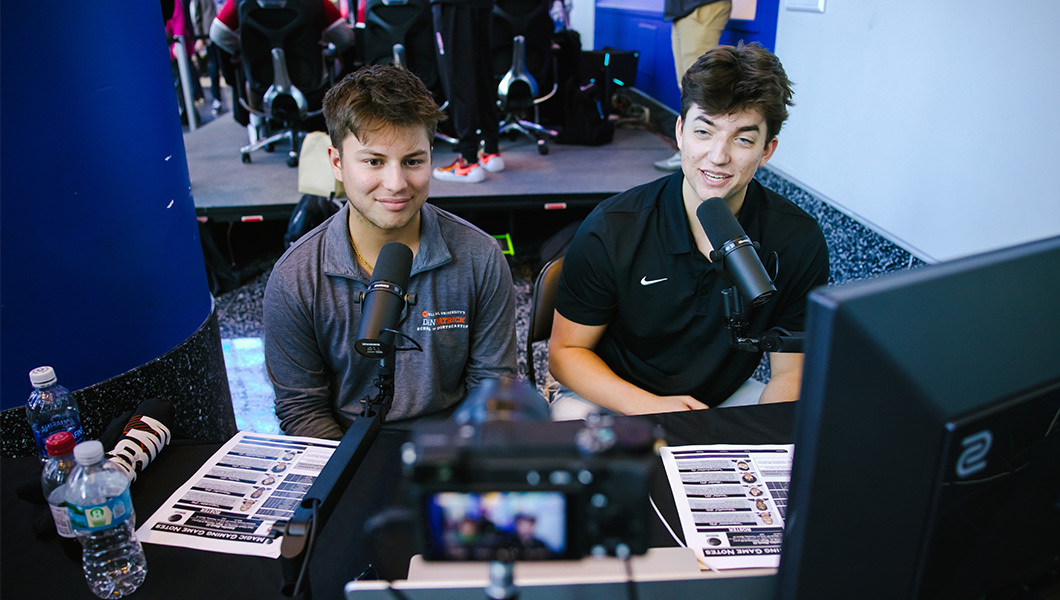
x=854, y=250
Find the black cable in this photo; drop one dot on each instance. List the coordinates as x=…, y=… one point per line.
x=631, y=586
x=415, y=345
x=395, y=592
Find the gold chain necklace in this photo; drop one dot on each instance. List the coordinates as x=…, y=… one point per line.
x=364, y=263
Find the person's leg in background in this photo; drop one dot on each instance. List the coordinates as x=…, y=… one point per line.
x=693, y=35
x=700, y=31
x=489, y=117
x=213, y=58
x=456, y=49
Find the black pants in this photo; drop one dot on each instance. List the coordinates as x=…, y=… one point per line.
x=466, y=69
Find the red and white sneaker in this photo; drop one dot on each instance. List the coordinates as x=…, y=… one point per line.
x=461, y=170
x=494, y=163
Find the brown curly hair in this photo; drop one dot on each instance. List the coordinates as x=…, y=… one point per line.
x=727, y=80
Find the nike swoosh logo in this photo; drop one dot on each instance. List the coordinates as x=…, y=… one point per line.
x=646, y=282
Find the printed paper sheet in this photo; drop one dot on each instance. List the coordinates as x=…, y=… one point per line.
x=732, y=501
x=230, y=504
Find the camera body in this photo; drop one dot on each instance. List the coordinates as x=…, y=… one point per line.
x=531, y=490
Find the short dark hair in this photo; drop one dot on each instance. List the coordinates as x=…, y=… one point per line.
x=378, y=96
x=727, y=80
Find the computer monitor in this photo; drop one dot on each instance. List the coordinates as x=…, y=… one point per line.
x=927, y=441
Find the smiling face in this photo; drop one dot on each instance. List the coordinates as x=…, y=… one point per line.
x=387, y=179
x=720, y=154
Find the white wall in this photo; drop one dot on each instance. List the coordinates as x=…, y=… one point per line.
x=583, y=20
x=934, y=122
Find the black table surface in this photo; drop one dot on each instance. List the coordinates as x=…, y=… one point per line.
x=36, y=564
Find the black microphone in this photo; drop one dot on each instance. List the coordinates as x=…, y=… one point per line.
x=383, y=302
x=735, y=252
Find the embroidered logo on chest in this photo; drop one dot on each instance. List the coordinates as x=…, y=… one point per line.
x=446, y=319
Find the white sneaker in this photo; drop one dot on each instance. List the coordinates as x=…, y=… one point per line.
x=494, y=163
x=461, y=170
x=670, y=164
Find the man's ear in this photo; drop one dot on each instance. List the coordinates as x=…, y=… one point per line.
x=677, y=132
x=335, y=160
x=771, y=147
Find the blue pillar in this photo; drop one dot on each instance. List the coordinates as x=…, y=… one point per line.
x=102, y=269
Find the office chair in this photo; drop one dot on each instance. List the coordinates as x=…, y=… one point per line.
x=287, y=70
x=542, y=304
x=401, y=32
x=521, y=39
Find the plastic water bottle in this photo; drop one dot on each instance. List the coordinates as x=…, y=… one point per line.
x=50, y=408
x=54, y=476
x=101, y=513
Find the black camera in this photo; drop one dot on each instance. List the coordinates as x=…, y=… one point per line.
x=531, y=490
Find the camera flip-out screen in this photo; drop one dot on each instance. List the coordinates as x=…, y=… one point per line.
x=506, y=491
x=510, y=525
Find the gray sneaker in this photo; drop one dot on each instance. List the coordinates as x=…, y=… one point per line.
x=670, y=164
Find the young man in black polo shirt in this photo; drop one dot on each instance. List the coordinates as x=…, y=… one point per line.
x=640, y=316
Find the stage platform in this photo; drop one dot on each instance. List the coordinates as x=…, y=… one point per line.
x=227, y=190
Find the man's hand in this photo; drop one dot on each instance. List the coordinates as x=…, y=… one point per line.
x=664, y=404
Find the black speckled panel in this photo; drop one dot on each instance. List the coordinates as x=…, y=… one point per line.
x=192, y=376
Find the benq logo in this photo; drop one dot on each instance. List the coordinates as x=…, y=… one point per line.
x=973, y=459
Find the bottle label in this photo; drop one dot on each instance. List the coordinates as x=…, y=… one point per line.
x=62, y=521
x=42, y=431
x=95, y=517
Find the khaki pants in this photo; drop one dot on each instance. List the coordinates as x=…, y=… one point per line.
x=698, y=32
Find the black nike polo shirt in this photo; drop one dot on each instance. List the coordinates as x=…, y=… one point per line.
x=634, y=266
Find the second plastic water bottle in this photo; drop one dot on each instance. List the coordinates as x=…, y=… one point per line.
x=101, y=513
x=56, y=471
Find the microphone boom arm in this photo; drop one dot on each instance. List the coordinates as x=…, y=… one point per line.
x=313, y=511
x=319, y=502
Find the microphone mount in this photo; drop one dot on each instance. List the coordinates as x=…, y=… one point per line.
x=731, y=246
x=375, y=349
x=776, y=339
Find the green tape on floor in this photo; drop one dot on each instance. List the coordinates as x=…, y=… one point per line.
x=505, y=240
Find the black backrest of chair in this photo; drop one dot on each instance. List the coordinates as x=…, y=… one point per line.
x=542, y=305
x=405, y=22
x=297, y=26
x=530, y=19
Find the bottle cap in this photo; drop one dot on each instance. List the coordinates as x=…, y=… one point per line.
x=60, y=443
x=42, y=377
x=88, y=453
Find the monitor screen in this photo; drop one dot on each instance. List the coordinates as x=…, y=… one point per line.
x=927, y=441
